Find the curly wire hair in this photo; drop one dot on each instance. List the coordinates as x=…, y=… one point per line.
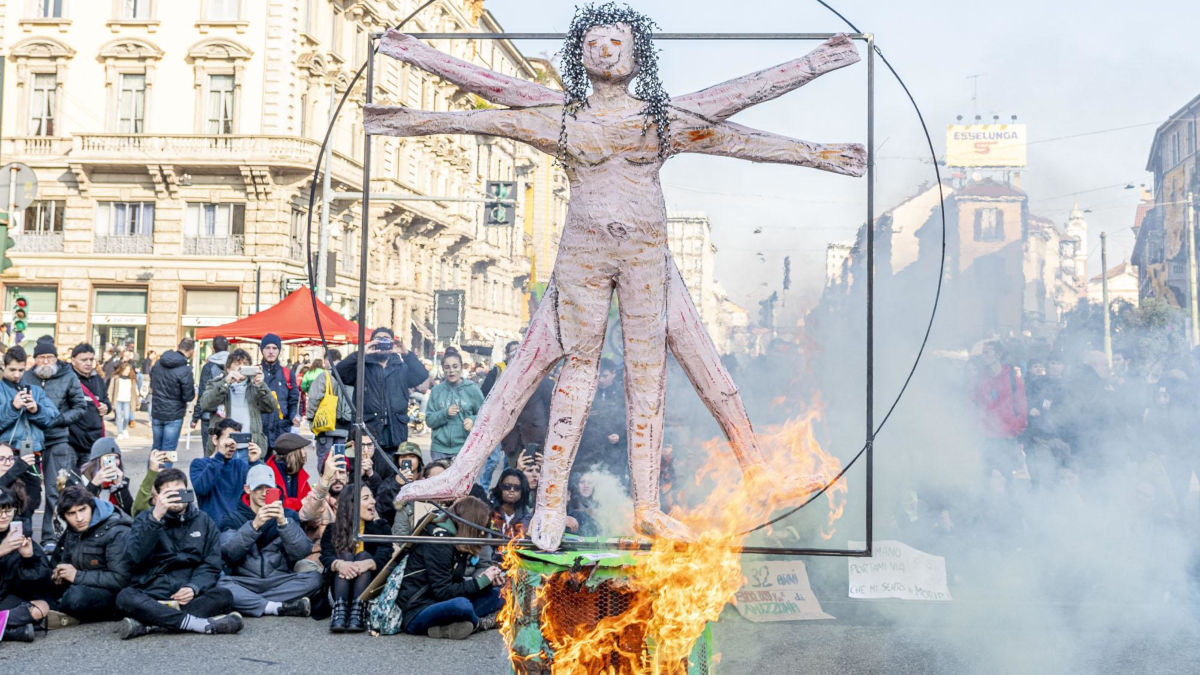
x=647, y=87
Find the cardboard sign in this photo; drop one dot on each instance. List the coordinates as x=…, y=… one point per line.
x=896, y=570
x=777, y=590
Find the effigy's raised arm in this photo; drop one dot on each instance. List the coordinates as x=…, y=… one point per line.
x=487, y=84
x=537, y=127
x=727, y=139
x=721, y=101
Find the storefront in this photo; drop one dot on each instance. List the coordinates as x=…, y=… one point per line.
x=119, y=319
x=207, y=307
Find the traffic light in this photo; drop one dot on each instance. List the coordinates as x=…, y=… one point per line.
x=20, y=311
x=6, y=242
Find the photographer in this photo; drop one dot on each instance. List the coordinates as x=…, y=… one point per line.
x=241, y=395
x=23, y=568
x=453, y=404
x=21, y=477
x=390, y=372
x=439, y=600
x=261, y=542
x=174, y=555
x=104, y=473
x=219, y=479
x=350, y=565
x=89, y=564
x=287, y=464
x=159, y=461
x=213, y=369
x=285, y=411
x=400, y=516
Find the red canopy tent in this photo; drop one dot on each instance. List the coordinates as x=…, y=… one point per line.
x=292, y=320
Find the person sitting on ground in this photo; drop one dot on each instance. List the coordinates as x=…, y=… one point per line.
x=510, y=504
x=261, y=543
x=105, y=476
x=174, y=554
x=238, y=396
x=287, y=461
x=408, y=464
x=350, y=565
x=219, y=479
x=318, y=509
x=374, y=469
x=23, y=569
x=438, y=598
x=141, y=501
x=89, y=566
x=20, y=475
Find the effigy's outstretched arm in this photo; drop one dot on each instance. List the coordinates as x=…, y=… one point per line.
x=690, y=134
x=721, y=101
x=487, y=84
x=535, y=126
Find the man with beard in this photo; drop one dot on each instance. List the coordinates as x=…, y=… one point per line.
x=318, y=509
x=282, y=383
x=90, y=427
x=61, y=385
x=171, y=390
x=391, y=371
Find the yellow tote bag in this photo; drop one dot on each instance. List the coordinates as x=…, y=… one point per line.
x=325, y=419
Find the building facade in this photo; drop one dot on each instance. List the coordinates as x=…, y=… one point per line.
x=174, y=145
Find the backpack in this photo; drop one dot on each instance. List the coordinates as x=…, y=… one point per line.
x=384, y=615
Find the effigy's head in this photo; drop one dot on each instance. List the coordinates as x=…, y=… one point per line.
x=608, y=52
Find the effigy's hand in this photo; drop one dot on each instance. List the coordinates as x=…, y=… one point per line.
x=836, y=52
x=398, y=45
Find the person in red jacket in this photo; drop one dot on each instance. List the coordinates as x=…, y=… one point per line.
x=999, y=396
x=287, y=461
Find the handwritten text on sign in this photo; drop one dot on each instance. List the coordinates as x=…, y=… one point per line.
x=896, y=570
x=777, y=590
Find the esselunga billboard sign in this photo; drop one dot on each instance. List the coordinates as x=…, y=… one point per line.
x=985, y=144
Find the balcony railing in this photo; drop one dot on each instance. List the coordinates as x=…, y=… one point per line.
x=214, y=246
x=38, y=242
x=124, y=243
x=37, y=146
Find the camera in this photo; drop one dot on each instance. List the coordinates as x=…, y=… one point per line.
x=242, y=438
x=384, y=344
x=407, y=465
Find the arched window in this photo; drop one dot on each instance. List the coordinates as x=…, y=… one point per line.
x=41, y=68
x=129, y=67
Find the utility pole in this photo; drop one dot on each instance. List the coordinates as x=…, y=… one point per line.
x=326, y=199
x=1190, y=220
x=1104, y=298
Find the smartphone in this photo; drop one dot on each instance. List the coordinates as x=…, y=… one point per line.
x=273, y=495
x=172, y=456
x=242, y=438
x=250, y=371
x=187, y=496
x=339, y=449
x=406, y=465
x=108, y=461
x=23, y=389
x=16, y=529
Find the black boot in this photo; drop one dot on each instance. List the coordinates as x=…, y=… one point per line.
x=300, y=607
x=358, y=617
x=19, y=633
x=337, y=622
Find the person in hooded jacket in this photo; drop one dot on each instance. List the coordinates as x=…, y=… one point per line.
x=453, y=405
x=391, y=371
x=104, y=474
x=214, y=368
x=24, y=569
x=171, y=390
x=61, y=386
x=90, y=426
x=260, y=544
x=282, y=382
x=88, y=567
x=174, y=555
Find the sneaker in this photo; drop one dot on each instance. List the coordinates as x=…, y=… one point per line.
x=130, y=628
x=458, y=630
x=19, y=634
x=56, y=619
x=301, y=607
x=226, y=624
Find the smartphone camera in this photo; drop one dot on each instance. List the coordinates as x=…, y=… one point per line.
x=406, y=464
x=187, y=496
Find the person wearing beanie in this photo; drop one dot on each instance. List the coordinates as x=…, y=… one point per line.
x=214, y=369
x=283, y=385
x=91, y=426
x=172, y=388
x=104, y=474
x=61, y=386
x=288, y=462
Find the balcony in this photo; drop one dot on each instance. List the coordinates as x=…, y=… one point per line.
x=23, y=147
x=38, y=242
x=124, y=244
x=214, y=246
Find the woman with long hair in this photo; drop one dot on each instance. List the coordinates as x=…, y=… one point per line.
x=23, y=568
x=453, y=404
x=123, y=392
x=349, y=564
x=510, y=504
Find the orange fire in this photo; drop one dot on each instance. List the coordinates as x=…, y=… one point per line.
x=676, y=588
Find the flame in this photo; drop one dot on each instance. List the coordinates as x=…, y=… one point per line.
x=676, y=588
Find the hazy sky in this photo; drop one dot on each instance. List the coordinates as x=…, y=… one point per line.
x=1063, y=67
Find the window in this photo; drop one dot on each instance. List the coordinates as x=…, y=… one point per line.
x=42, y=104
x=135, y=9
x=214, y=220
x=131, y=104
x=989, y=225
x=220, y=104
x=360, y=44
x=48, y=9
x=44, y=217
x=309, y=9
x=125, y=219
x=224, y=10
x=335, y=32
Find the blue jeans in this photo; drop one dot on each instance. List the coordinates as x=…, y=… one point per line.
x=124, y=413
x=494, y=460
x=166, y=434
x=456, y=609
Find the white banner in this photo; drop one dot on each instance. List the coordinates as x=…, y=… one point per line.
x=896, y=570
x=777, y=590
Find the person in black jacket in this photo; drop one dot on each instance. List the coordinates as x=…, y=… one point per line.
x=438, y=597
x=104, y=475
x=90, y=426
x=174, y=554
x=61, y=385
x=350, y=565
x=20, y=475
x=391, y=371
x=171, y=390
x=89, y=566
x=23, y=569
x=283, y=384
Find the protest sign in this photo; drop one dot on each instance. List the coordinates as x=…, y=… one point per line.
x=777, y=590
x=896, y=570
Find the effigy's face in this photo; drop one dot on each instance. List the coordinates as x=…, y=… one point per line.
x=608, y=52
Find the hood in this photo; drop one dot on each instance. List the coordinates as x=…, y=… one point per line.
x=173, y=359
x=218, y=358
x=101, y=510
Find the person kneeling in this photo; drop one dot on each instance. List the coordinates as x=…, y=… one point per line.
x=439, y=600
x=89, y=564
x=174, y=556
x=261, y=542
x=351, y=564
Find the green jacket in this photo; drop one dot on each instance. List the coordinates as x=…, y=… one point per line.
x=258, y=400
x=448, y=433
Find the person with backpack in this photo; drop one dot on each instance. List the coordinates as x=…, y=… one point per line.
x=282, y=383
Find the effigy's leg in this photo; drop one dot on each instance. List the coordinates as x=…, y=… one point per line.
x=538, y=353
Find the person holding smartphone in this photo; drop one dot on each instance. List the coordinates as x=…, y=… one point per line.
x=26, y=413
x=20, y=474
x=261, y=541
x=220, y=479
x=408, y=469
x=104, y=473
x=453, y=404
x=241, y=395
x=391, y=372
x=23, y=570
x=174, y=555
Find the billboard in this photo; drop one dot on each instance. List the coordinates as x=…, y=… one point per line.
x=985, y=145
